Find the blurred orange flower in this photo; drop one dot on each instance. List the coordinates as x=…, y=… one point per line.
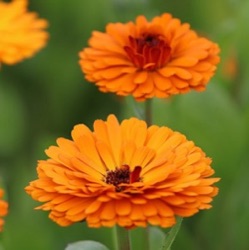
x=21, y=32
x=3, y=209
x=231, y=65
x=123, y=173
x=149, y=59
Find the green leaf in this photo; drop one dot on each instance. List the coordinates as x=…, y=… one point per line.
x=86, y=245
x=171, y=235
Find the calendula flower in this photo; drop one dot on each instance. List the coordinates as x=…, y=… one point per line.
x=149, y=59
x=21, y=32
x=123, y=173
x=3, y=209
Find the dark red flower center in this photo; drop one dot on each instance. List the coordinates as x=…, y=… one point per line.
x=123, y=175
x=148, y=52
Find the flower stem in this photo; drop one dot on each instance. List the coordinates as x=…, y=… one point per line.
x=171, y=235
x=148, y=119
x=121, y=238
x=148, y=112
x=146, y=238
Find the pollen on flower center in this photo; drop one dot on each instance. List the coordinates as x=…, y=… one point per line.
x=148, y=51
x=122, y=175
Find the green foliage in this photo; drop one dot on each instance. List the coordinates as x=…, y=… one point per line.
x=42, y=98
x=156, y=236
x=170, y=237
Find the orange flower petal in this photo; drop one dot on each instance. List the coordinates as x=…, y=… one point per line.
x=140, y=58
x=123, y=207
x=108, y=213
x=123, y=173
x=141, y=77
x=22, y=33
x=184, y=62
x=114, y=134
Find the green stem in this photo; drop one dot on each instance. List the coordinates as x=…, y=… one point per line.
x=171, y=235
x=146, y=238
x=148, y=112
x=122, y=238
x=148, y=119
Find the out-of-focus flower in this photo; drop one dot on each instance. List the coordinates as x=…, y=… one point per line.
x=22, y=33
x=149, y=59
x=230, y=67
x=3, y=209
x=123, y=173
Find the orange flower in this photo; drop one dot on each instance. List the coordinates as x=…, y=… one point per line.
x=126, y=174
x=21, y=32
x=149, y=59
x=3, y=209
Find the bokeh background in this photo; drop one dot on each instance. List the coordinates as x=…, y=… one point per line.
x=42, y=98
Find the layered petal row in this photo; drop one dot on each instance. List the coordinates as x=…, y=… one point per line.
x=147, y=59
x=124, y=173
x=22, y=33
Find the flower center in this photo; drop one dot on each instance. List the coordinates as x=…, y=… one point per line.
x=148, y=51
x=122, y=176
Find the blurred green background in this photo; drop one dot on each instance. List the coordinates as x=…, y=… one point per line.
x=42, y=98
